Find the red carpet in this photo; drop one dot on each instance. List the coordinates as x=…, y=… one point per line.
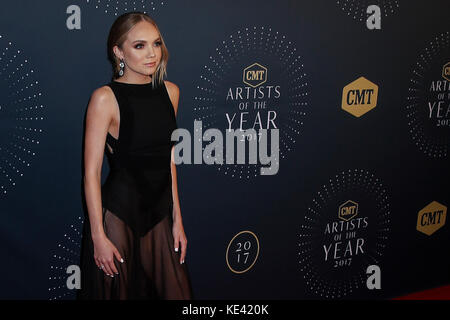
x=441, y=293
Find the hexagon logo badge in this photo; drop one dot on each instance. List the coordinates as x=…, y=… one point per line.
x=255, y=75
x=359, y=97
x=446, y=71
x=348, y=210
x=431, y=218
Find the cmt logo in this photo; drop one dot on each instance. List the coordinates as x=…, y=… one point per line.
x=348, y=210
x=446, y=71
x=359, y=97
x=431, y=218
x=255, y=75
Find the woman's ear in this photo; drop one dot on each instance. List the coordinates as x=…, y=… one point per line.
x=117, y=52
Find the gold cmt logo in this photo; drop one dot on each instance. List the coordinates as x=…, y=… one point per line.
x=446, y=71
x=348, y=210
x=431, y=218
x=255, y=75
x=359, y=97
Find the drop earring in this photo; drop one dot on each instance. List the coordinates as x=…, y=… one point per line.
x=121, y=65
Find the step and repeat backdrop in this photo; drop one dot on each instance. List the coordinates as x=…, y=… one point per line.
x=347, y=195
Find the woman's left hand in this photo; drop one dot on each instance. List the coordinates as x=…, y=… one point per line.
x=179, y=237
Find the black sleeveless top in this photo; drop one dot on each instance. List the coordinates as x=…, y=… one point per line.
x=138, y=188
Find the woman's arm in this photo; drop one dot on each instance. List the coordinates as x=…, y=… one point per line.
x=174, y=95
x=176, y=214
x=98, y=118
x=178, y=229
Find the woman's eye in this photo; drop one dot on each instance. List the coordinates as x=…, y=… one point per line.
x=136, y=46
x=158, y=43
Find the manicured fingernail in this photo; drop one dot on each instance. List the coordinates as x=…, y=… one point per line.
x=176, y=249
x=121, y=260
x=182, y=261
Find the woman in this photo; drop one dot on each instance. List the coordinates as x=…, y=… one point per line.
x=134, y=244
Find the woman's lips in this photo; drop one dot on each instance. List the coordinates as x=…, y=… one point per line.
x=150, y=64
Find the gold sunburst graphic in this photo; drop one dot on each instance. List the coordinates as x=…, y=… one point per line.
x=21, y=115
x=429, y=134
x=333, y=280
x=272, y=52
x=120, y=7
x=66, y=253
x=357, y=9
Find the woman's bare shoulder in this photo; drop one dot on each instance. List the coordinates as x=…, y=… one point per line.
x=174, y=93
x=102, y=99
x=104, y=93
x=172, y=88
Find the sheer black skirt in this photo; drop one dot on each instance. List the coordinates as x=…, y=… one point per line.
x=151, y=267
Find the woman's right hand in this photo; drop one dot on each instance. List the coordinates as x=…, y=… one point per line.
x=104, y=253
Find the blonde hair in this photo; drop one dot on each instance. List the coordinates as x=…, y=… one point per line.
x=117, y=36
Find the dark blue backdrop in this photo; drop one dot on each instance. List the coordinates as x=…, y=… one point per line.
x=42, y=118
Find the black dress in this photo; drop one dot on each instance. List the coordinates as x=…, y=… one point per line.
x=137, y=203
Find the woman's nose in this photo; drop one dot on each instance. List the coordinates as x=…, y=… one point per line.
x=151, y=52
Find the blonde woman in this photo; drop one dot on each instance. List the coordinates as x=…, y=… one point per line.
x=134, y=244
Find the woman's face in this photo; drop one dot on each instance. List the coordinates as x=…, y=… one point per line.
x=141, y=51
